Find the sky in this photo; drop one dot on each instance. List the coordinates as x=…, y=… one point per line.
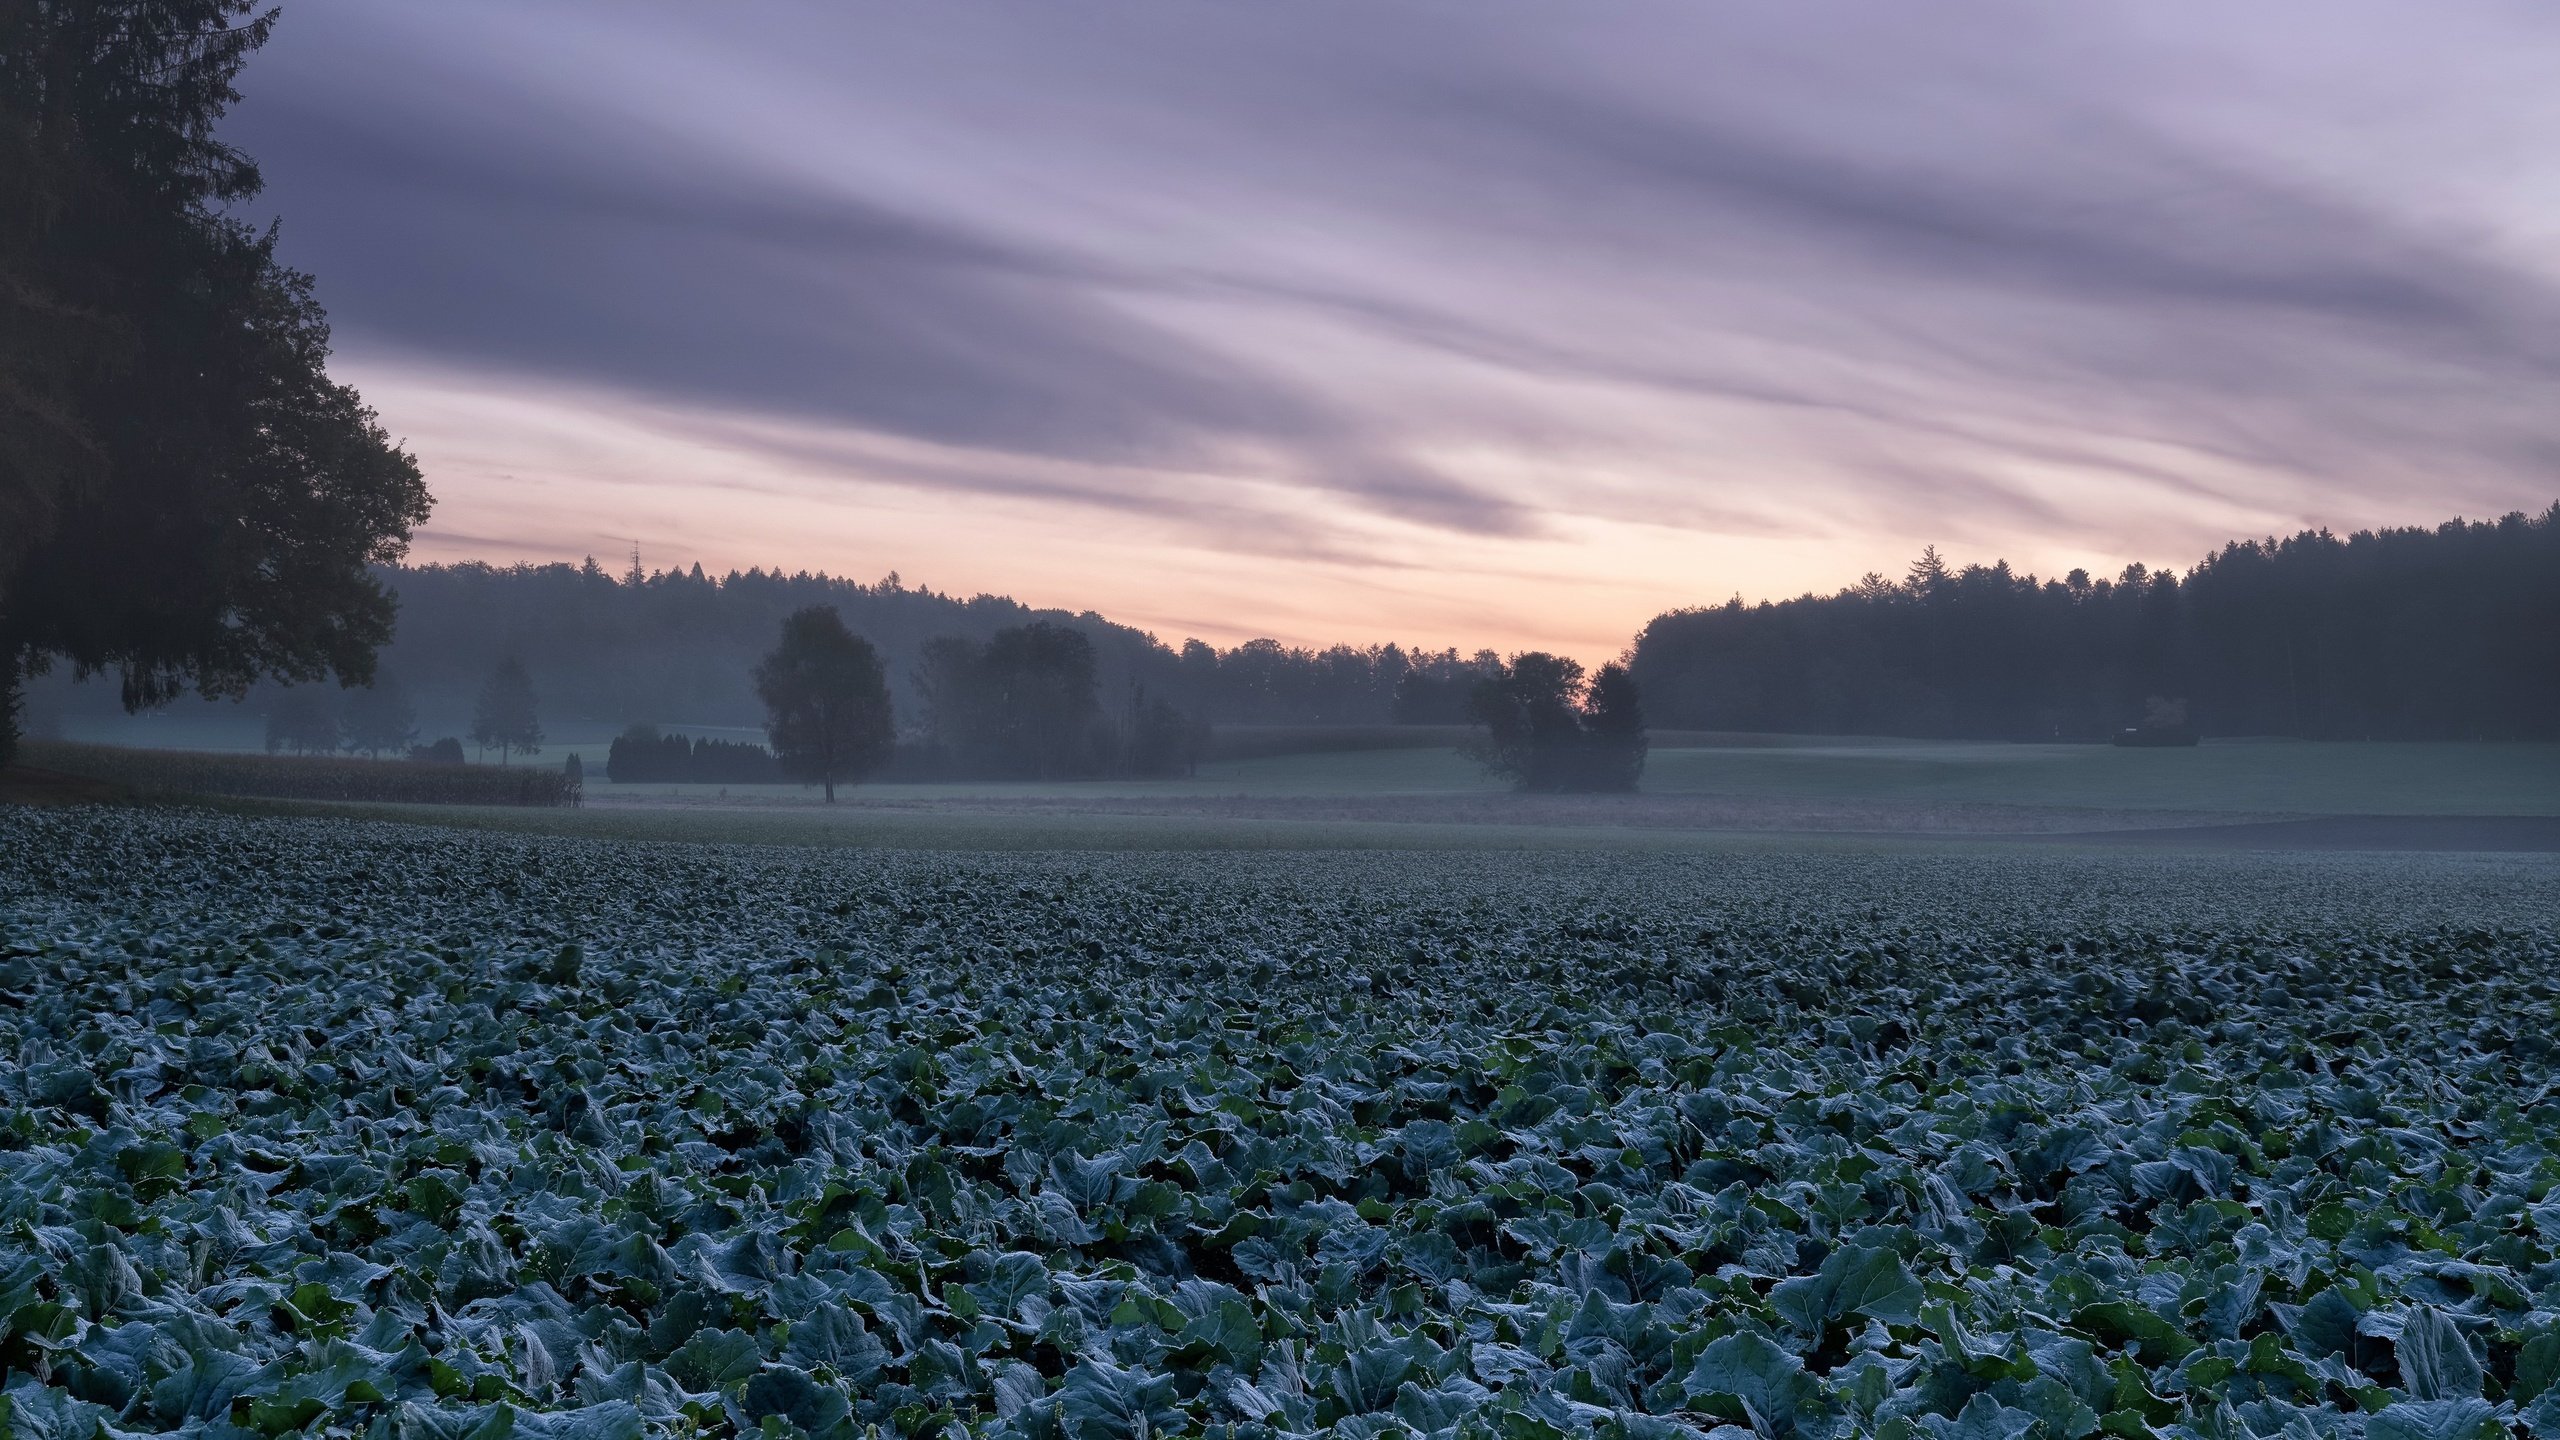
x=1451, y=322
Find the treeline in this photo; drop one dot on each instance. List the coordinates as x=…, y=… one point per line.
x=2450, y=633
x=1026, y=704
x=675, y=649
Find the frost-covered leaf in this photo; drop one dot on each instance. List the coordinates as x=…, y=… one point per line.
x=2436, y=1363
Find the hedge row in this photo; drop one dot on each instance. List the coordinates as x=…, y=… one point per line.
x=200, y=772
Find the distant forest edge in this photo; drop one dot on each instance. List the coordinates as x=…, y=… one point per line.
x=2450, y=633
x=2416, y=633
x=675, y=649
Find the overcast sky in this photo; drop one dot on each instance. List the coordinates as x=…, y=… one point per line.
x=1457, y=323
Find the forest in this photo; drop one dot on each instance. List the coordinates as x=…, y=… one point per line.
x=2443, y=633
x=2449, y=633
x=674, y=648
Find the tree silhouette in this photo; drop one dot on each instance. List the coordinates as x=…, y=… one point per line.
x=1545, y=730
x=1038, y=682
x=1613, y=738
x=1023, y=704
x=1532, y=729
x=826, y=701
x=504, y=718
x=301, y=719
x=185, y=496
x=378, y=718
x=2448, y=632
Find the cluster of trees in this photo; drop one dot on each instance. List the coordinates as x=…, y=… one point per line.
x=2406, y=634
x=1545, y=728
x=642, y=756
x=677, y=648
x=374, y=720
x=1026, y=704
x=1022, y=704
x=186, y=498
x=377, y=719
x=1263, y=682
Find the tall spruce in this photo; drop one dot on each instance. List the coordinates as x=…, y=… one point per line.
x=186, y=498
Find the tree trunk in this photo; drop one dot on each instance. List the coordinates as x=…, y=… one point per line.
x=830, y=783
x=12, y=696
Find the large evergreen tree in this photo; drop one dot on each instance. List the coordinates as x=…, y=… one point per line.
x=185, y=495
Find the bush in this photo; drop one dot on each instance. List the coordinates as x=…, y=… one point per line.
x=642, y=756
x=198, y=772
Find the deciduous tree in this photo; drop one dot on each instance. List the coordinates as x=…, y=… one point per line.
x=379, y=718
x=505, y=718
x=1545, y=729
x=300, y=718
x=826, y=701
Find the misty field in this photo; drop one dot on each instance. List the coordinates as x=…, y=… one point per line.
x=335, y=1127
x=1711, y=790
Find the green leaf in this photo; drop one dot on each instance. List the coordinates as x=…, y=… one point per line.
x=1744, y=1375
x=1983, y=1419
x=2537, y=1364
x=612, y=1420
x=1229, y=1332
x=2458, y=1419
x=2120, y=1321
x=714, y=1358
x=2054, y=1406
x=1016, y=1386
x=2323, y=1325
x=1105, y=1402
x=2436, y=1363
x=1853, y=1280
x=37, y=1412
x=796, y=1396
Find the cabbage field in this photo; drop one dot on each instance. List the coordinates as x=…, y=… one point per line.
x=338, y=1128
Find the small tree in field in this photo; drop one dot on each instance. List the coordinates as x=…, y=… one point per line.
x=302, y=720
x=826, y=701
x=379, y=717
x=504, y=719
